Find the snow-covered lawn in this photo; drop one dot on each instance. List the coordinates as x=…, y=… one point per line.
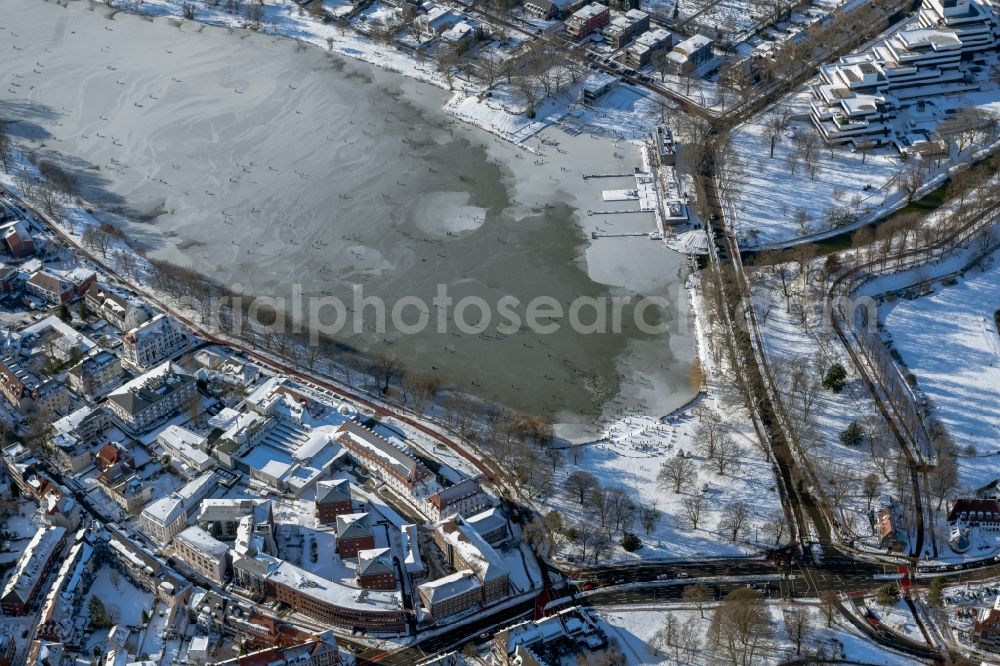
x=123, y=600
x=899, y=619
x=773, y=204
x=639, y=448
x=949, y=341
x=634, y=628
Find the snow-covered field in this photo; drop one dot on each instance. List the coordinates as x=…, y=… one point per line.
x=635, y=630
x=773, y=204
x=950, y=342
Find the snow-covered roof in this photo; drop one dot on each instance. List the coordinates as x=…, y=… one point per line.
x=478, y=554
x=356, y=436
x=448, y=587
x=327, y=591
x=185, y=444
x=149, y=388
x=353, y=525
x=411, y=549
x=333, y=491
x=69, y=336
x=202, y=542
x=487, y=521
x=31, y=566
x=374, y=561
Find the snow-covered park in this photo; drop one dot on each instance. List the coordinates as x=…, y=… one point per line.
x=949, y=341
x=635, y=629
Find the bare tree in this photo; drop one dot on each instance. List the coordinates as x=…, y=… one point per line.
x=693, y=508
x=871, y=489
x=775, y=528
x=727, y=455
x=777, y=123
x=735, y=519
x=648, y=517
x=388, y=367
x=127, y=262
x=6, y=147
x=698, y=595
x=677, y=473
x=798, y=626
x=741, y=627
x=710, y=431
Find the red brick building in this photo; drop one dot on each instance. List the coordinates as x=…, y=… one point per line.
x=376, y=570
x=354, y=533
x=333, y=498
x=18, y=239
x=42, y=553
x=587, y=19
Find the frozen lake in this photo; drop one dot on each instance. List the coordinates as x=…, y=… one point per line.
x=264, y=164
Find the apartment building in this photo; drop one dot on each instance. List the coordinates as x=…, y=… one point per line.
x=354, y=533
x=17, y=238
x=121, y=310
x=163, y=519
x=75, y=436
x=187, y=450
x=986, y=630
x=325, y=600
x=401, y=471
x=491, y=525
x=159, y=339
x=50, y=288
x=451, y=594
x=623, y=29
x=375, y=569
x=861, y=98
x=465, y=548
x=222, y=517
x=41, y=554
x=96, y=374
x=150, y=398
x=640, y=52
x=690, y=54
x=586, y=20
x=28, y=390
x=202, y=552
x=465, y=497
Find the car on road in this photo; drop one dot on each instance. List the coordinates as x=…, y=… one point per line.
x=683, y=574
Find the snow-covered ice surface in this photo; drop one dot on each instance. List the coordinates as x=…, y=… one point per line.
x=950, y=342
x=150, y=155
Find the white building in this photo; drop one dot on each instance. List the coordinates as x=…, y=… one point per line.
x=167, y=516
x=690, y=54
x=121, y=310
x=860, y=99
x=203, y=552
x=186, y=450
x=156, y=340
